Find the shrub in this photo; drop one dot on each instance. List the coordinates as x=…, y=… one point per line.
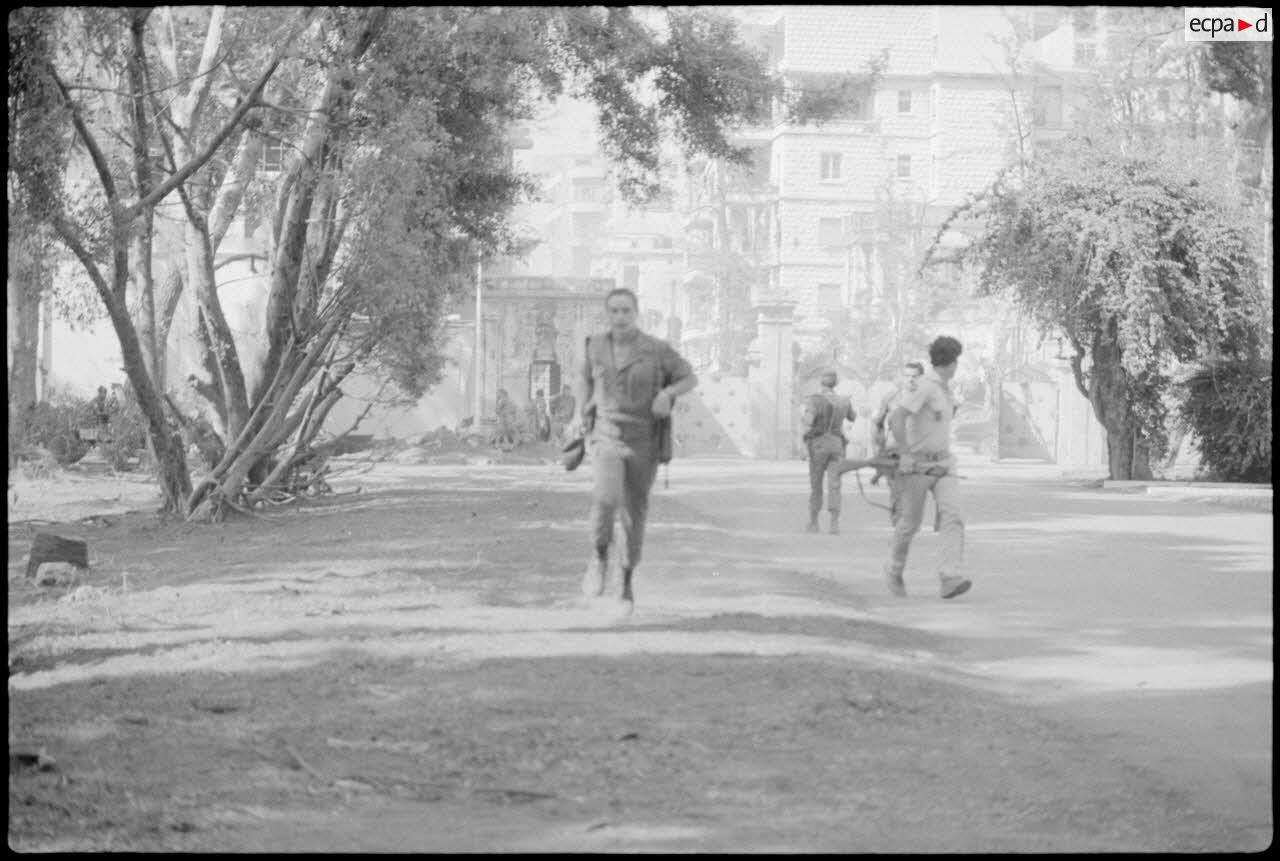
x=53, y=425
x=126, y=432
x=1228, y=406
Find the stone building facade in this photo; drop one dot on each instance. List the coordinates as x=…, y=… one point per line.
x=834, y=218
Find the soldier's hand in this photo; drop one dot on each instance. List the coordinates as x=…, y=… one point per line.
x=662, y=405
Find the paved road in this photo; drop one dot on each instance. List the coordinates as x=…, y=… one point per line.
x=1145, y=618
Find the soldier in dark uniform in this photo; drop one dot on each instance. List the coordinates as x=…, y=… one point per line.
x=824, y=416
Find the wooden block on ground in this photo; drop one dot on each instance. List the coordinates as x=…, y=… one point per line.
x=47, y=547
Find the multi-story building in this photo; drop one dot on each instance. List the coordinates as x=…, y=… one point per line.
x=825, y=232
x=833, y=220
x=827, y=203
x=585, y=228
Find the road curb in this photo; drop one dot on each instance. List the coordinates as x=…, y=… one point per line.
x=1252, y=496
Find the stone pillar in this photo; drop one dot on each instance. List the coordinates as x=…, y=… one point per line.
x=461, y=341
x=492, y=348
x=771, y=379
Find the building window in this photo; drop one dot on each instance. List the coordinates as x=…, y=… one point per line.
x=1086, y=53
x=830, y=232
x=830, y=165
x=904, y=101
x=904, y=167
x=830, y=296
x=858, y=223
x=662, y=242
x=273, y=156
x=588, y=192
x=1046, y=107
x=631, y=278
x=581, y=261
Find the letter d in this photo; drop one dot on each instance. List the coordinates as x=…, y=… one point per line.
x=1261, y=24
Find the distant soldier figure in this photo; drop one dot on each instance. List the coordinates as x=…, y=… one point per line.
x=920, y=427
x=101, y=409
x=883, y=450
x=508, y=433
x=824, y=416
x=562, y=407
x=541, y=419
x=881, y=444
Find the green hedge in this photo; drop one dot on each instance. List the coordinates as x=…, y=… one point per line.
x=1227, y=406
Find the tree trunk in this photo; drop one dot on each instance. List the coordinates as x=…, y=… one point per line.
x=272, y=422
x=143, y=223
x=1128, y=458
x=27, y=284
x=166, y=446
x=229, y=377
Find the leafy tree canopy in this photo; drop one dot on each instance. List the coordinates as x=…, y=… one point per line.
x=1140, y=254
x=1240, y=69
x=396, y=174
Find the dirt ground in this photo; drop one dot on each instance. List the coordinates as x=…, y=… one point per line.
x=407, y=665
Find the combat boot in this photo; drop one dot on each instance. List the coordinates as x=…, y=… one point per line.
x=813, y=523
x=893, y=579
x=593, y=578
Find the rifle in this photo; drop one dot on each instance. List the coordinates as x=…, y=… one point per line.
x=884, y=464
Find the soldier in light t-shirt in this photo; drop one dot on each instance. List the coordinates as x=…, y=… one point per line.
x=920, y=427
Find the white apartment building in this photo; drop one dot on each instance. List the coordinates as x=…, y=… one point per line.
x=941, y=121
x=586, y=229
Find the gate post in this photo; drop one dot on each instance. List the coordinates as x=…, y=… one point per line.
x=772, y=379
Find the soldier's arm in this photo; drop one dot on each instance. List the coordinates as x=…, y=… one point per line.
x=680, y=375
x=683, y=385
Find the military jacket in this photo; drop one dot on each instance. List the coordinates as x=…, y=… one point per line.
x=623, y=394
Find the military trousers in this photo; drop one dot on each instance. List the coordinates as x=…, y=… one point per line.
x=908, y=493
x=623, y=469
x=824, y=451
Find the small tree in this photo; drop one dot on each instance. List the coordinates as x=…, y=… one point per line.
x=1140, y=257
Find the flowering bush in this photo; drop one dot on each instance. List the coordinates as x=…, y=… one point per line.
x=1228, y=406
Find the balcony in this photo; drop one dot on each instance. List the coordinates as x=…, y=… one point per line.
x=587, y=171
x=762, y=193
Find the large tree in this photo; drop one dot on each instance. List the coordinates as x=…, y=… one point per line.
x=1140, y=256
x=396, y=179
x=37, y=144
